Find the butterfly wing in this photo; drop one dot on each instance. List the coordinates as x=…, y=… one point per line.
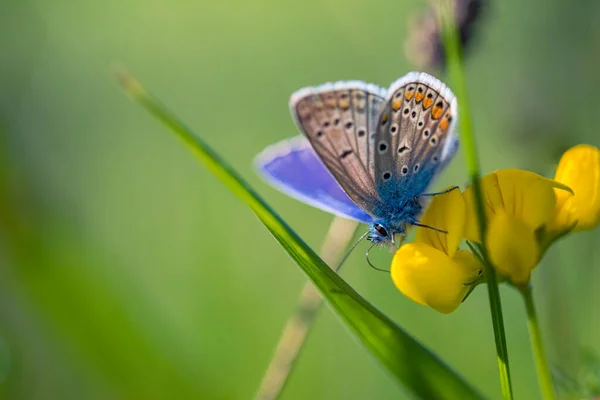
x=293, y=167
x=339, y=121
x=415, y=136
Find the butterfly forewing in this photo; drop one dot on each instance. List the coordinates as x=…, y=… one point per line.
x=414, y=136
x=338, y=120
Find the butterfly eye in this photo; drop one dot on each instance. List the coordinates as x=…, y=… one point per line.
x=381, y=230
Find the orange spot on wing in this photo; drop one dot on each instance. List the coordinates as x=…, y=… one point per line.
x=427, y=103
x=396, y=104
x=419, y=97
x=444, y=124
x=344, y=104
x=385, y=118
x=437, y=112
x=409, y=95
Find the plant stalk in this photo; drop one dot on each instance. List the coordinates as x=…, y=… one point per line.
x=535, y=336
x=298, y=326
x=453, y=53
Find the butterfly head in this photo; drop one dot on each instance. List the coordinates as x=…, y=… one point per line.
x=380, y=233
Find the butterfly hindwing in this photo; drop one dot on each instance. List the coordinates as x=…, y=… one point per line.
x=414, y=137
x=338, y=120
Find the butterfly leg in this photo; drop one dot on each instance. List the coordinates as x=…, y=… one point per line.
x=428, y=227
x=436, y=193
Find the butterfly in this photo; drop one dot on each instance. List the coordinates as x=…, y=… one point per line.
x=367, y=153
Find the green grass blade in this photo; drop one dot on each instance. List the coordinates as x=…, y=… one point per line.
x=411, y=364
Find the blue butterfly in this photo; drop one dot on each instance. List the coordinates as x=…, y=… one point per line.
x=367, y=154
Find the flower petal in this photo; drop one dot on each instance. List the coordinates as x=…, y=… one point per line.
x=565, y=216
x=512, y=247
x=468, y=263
x=429, y=277
x=579, y=168
x=526, y=196
x=446, y=212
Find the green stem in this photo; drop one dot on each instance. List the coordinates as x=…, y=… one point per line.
x=535, y=335
x=299, y=324
x=453, y=51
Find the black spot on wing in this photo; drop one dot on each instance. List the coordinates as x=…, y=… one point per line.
x=346, y=153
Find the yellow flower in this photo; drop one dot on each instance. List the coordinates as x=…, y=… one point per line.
x=524, y=213
x=579, y=168
x=431, y=271
x=518, y=205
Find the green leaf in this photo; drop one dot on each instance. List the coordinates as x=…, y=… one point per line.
x=411, y=364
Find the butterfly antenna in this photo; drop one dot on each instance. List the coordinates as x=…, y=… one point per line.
x=429, y=227
x=337, y=268
x=369, y=261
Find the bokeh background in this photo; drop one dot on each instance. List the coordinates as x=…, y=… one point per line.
x=127, y=271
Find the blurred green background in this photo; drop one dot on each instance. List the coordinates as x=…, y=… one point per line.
x=128, y=271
